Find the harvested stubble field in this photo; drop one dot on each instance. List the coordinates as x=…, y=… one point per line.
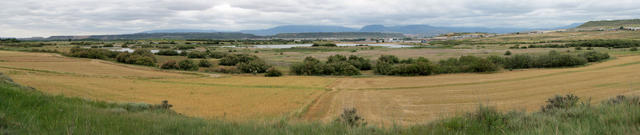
x=193, y=94
x=379, y=99
x=411, y=100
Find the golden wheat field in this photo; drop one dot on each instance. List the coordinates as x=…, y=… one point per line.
x=411, y=100
x=192, y=94
x=379, y=99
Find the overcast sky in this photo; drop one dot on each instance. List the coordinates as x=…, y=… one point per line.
x=26, y=18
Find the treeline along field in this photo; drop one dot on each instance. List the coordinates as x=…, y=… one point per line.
x=392, y=65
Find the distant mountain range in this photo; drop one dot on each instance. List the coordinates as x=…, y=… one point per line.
x=300, y=29
x=404, y=29
x=180, y=31
x=304, y=31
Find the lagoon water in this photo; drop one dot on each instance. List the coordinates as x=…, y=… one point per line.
x=309, y=45
x=283, y=46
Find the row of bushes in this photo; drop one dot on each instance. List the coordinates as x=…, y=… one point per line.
x=549, y=46
x=615, y=43
x=549, y=60
x=391, y=65
x=187, y=64
x=138, y=57
x=324, y=45
x=313, y=66
x=91, y=53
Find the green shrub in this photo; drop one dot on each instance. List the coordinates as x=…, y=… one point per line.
x=360, y=62
x=188, y=65
x=507, y=53
x=172, y=64
x=233, y=59
x=552, y=59
x=168, y=52
x=466, y=64
x=255, y=66
x=383, y=68
x=336, y=58
x=634, y=49
x=186, y=47
x=324, y=45
x=518, y=61
x=389, y=59
x=418, y=68
x=273, y=72
x=310, y=66
x=496, y=59
x=204, y=63
x=615, y=43
x=593, y=56
x=92, y=53
x=196, y=54
x=138, y=57
x=218, y=55
x=340, y=68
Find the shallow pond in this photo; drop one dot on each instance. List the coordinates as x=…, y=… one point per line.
x=309, y=45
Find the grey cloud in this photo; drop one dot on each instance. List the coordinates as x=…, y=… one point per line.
x=73, y=17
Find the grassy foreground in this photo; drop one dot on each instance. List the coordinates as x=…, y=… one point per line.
x=24, y=110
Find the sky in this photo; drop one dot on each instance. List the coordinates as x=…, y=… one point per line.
x=34, y=18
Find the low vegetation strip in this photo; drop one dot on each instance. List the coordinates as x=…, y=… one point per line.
x=500, y=80
x=241, y=86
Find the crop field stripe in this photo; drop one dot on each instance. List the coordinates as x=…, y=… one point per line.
x=499, y=81
x=238, y=86
x=171, y=82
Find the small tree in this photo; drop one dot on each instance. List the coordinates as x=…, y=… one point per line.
x=507, y=53
x=273, y=72
x=350, y=117
x=204, y=63
x=255, y=66
x=169, y=65
x=188, y=65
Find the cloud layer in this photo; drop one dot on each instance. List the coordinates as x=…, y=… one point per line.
x=26, y=18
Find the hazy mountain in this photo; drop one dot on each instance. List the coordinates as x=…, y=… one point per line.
x=340, y=35
x=570, y=26
x=180, y=31
x=312, y=31
x=176, y=35
x=300, y=29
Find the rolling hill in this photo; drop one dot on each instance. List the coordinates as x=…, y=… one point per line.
x=611, y=24
x=299, y=29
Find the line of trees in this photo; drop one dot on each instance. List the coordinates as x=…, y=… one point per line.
x=614, y=43
x=335, y=65
x=245, y=63
x=392, y=65
x=138, y=57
